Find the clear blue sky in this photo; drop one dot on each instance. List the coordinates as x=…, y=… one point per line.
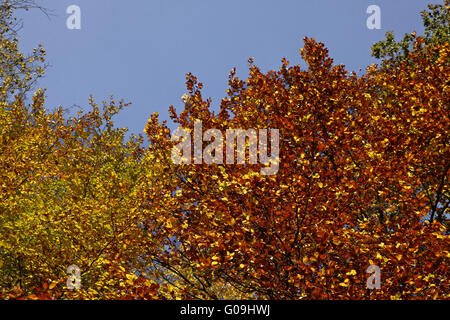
x=140, y=50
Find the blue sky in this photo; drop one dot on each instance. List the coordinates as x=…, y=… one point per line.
x=140, y=50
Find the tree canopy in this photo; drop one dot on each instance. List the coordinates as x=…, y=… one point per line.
x=363, y=179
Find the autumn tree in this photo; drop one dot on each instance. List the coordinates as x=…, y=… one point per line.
x=436, y=21
x=363, y=180
x=68, y=191
x=18, y=72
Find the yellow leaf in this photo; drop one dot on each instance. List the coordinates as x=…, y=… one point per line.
x=351, y=273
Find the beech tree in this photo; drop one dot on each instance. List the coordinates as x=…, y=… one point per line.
x=67, y=189
x=362, y=180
